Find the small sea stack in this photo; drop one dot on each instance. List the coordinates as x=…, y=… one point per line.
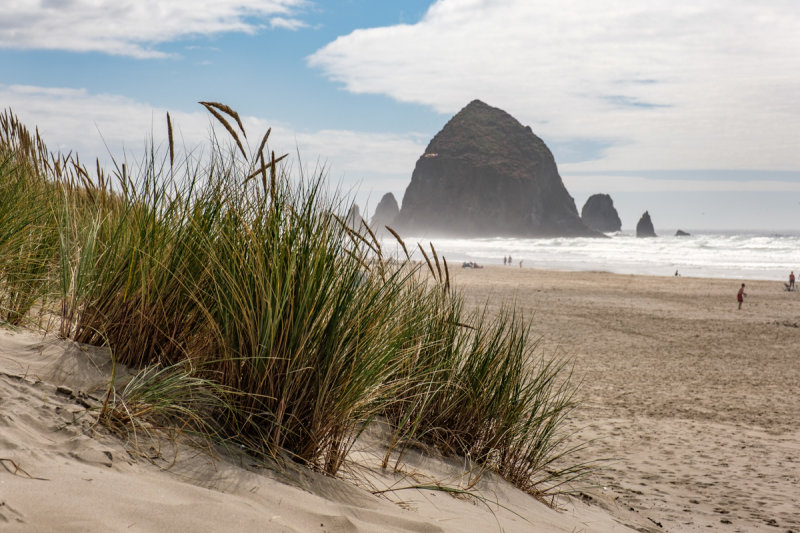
x=681, y=233
x=644, y=228
x=599, y=214
x=354, y=220
x=385, y=214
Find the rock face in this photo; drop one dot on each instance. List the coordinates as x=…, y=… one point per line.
x=645, y=226
x=385, y=214
x=485, y=174
x=681, y=233
x=598, y=213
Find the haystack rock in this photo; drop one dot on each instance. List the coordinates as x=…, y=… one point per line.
x=598, y=213
x=645, y=226
x=385, y=214
x=485, y=174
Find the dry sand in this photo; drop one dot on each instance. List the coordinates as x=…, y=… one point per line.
x=59, y=471
x=696, y=402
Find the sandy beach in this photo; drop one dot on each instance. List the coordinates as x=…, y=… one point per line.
x=693, y=402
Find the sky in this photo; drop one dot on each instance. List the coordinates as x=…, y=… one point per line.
x=689, y=109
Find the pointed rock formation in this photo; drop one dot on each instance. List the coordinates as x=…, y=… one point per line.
x=485, y=174
x=354, y=220
x=385, y=214
x=599, y=214
x=645, y=226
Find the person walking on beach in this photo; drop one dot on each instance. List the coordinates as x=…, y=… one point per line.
x=740, y=295
x=791, y=280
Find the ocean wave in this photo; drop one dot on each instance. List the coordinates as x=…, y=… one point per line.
x=716, y=255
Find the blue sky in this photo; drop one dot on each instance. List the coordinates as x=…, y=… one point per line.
x=688, y=109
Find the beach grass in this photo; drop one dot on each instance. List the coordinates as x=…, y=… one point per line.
x=259, y=314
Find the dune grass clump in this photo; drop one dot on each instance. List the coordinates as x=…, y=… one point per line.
x=259, y=316
x=27, y=238
x=303, y=326
x=158, y=399
x=474, y=387
x=27, y=229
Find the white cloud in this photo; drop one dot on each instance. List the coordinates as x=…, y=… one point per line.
x=676, y=84
x=103, y=125
x=369, y=153
x=287, y=23
x=132, y=27
x=614, y=183
x=95, y=125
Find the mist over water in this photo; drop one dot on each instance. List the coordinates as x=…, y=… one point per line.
x=734, y=255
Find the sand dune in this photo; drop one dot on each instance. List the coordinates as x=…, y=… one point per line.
x=62, y=472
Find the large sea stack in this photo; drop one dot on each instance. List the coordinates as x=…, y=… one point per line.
x=599, y=214
x=485, y=174
x=645, y=226
x=385, y=214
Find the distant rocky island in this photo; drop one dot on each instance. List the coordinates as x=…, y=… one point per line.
x=485, y=174
x=385, y=213
x=353, y=219
x=644, y=228
x=599, y=214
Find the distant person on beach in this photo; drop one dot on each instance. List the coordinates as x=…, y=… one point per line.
x=504, y=260
x=740, y=295
x=791, y=280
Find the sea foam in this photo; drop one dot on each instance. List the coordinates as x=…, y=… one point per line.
x=703, y=254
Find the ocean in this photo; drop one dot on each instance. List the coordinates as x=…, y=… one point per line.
x=717, y=254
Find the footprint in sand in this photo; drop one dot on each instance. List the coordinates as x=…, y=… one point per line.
x=94, y=457
x=9, y=515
